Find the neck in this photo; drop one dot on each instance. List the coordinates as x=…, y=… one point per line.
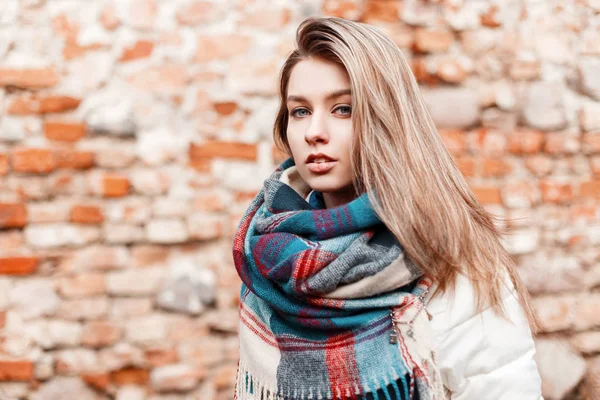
x=339, y=197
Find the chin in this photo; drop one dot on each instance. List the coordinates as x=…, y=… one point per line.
x=320, y=184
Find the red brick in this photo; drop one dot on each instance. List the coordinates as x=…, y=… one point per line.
x=487, y=194
x=583, y=211
x=556, y=192
x=433, y=40
x=561, y=143
x=590, y=189
x=141, y=49
x=201, y=164
x=4, y=166
x=488, y=142
x=454, y=140
x=73, y=49
x=33, y=160
x=12, y=239
x=97, y=381
x=161, y=356
x=18, y=265
x=244, y=197
x=86, y=214
x=225, y=376
x=225, y=107
x=74, y=159
x=591, y=143
x=466, y=165
x=33, y=104
x=490, y=18
x=594, y=165
x=382, y=10
x=521, y=194
x=16, y=370
x=100, y=334
x=147, y=255
x=495, y=167
x=421, y=73
x=216, y=149
x=70, y=30
x=83, y=285
x=450, y=70
x=28, y=78
x=130, y=376
x=63, y=26
x=64, y=132
x=63, y=182
x=539, y=164
x=13, y=215
x=115, y=186
x=526, y=141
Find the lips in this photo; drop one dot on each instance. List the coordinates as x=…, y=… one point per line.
x=318, y=158
x=320, y=163
x=321, y=167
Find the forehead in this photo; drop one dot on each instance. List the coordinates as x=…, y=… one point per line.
x=314, y=77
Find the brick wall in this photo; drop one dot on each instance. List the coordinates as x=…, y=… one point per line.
x=133, y=134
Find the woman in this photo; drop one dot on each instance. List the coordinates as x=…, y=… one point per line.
x=369, y=269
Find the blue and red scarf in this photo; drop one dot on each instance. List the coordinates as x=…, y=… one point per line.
x=330, y=306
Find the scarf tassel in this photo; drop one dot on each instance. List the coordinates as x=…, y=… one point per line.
x=397, y=390
x=248, y=388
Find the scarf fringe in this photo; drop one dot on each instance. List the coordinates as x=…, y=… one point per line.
x=248, y=387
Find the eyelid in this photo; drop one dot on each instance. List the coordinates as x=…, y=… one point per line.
x=297, y=109
x=342, y=105
x=337, y=107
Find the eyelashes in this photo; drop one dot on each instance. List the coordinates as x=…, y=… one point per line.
x=295, y=112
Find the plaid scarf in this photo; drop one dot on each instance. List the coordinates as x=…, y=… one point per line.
x=329, y=305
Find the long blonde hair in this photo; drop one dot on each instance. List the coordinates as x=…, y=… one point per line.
x=422, y=197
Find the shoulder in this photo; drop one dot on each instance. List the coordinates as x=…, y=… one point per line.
x=481, y=353
x=452, y=310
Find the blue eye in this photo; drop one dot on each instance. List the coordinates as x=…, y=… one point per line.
x=295, y=112
x=346, y=110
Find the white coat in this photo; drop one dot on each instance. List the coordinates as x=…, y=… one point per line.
x=482, y=356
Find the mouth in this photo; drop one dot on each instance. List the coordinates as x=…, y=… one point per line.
x=318, y=157
x=319, y=162
x=321, y=166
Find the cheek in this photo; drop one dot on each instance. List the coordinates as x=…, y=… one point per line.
x=294, y=140
x=345, y=136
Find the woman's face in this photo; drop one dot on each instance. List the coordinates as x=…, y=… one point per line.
x=319, y=106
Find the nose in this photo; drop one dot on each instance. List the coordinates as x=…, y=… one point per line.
x=317, y=129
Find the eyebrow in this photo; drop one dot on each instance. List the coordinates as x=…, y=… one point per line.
x=330, y=96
